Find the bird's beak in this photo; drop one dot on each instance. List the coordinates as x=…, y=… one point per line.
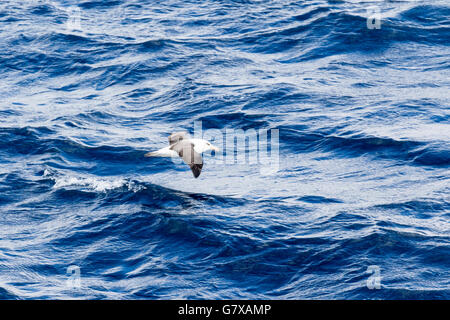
x=215, y=148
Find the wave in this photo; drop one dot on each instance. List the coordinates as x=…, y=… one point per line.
x=91, y=183
x=363, y=163
x=7, y=295
x=358, y=144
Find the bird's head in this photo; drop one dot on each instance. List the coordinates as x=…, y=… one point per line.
x=207, y=146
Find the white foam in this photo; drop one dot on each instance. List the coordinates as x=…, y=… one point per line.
x=91, y=183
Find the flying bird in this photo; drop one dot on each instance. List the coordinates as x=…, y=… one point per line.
x=190, y=150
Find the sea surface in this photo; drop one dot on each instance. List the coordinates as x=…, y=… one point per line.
x=356, y=204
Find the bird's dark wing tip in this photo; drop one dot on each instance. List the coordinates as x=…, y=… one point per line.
x=196, y=169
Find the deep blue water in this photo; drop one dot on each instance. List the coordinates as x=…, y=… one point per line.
x=364, y=149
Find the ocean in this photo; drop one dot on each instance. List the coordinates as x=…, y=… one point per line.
x=332, y=179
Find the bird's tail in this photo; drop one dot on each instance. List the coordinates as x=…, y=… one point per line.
x=164, y=152
x=152, y=154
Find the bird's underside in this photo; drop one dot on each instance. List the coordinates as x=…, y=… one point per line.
x=185, y=150
x=181, y=144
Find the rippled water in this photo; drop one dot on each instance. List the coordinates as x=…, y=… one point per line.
x=361, y=195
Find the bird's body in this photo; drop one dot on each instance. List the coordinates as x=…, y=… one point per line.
x=190, y=150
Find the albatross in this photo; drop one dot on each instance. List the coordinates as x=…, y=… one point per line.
x=190, y=150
